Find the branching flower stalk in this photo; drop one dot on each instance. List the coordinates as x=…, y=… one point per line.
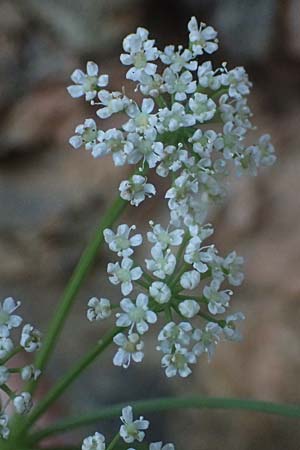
x=190, y=129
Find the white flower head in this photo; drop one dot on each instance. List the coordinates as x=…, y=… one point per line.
x=208, y=339
x=178, y=60
x=111, y=102
x=98, y=309
x=30, y=373
x=174, y=118
x=87, y=83
x=140, y=52
x=86, y=134
x=197, y=255
x=120, y=242
x=144, y=147
x=179, y=85
x=140, y=119
x=218, y=300
x=136, y=189
x=130, y=347
x=112, y=141
x=136, y=314
x=124, y=274
x=6, y=345
x=203, y=107
x=172, y=334
x=177, y=362
x=190, y=279
x=132, y=430
x=164, y=237
x=30, y=338
x=189, y=308
x=233, y=265
x=230, y=331
x=8, y=320
x=160, y=291
x=23, y=403
x=95, y=442
x=202, y=38
x=162, y=263
x=160, y=446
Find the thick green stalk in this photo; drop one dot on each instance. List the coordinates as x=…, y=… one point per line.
x=169, y=403
x=80, y=273
x=67, y=379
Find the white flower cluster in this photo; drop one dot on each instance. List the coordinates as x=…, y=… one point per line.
x=30, y=341
x=192, y=122
x=130, y=431
x=181, y=282
x=191, y=125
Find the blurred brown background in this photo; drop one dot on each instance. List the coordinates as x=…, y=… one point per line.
x=52, y=198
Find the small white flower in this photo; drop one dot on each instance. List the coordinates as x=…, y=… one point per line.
x=160, y=292
x=95, y=442
x=144, y=147
x=181, y=59
x=112, y=141
x=238, y=82
x=189, y=308
x=4, y=430
x=7, y=319
x=160, y=446
x=4, y=375
x=203, y=107
x=112, y=103
x=120, y=242
x=232, y=265
x=124, y=274
x=136, y=189
x=140, y=119
x=172, y=334
x=138, y=314
x=30, y=338
x=151, y=84
x=230, y=331
x=208, y=339
x=164, y=237
x=87, y=83
x=6, y=344
x=177, y=362
x=130, y=347
x=198, y=256
x=98, y=309
x=218, y=300
x=174, y=118
x=23, y=403
x=30, y=373
x=163, y=263
x=190, y=280
x=180, y=85
x=265, y=156
x=86, y=134
x=203, y=38
x=207, y=77
x=139, y=53
x=132, y=430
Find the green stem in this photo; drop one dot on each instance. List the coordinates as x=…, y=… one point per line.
x=80, y=273
x=114, y=441
x=169, y=403
x=68, y=379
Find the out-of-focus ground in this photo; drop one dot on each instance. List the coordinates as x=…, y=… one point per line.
x=52, y=198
